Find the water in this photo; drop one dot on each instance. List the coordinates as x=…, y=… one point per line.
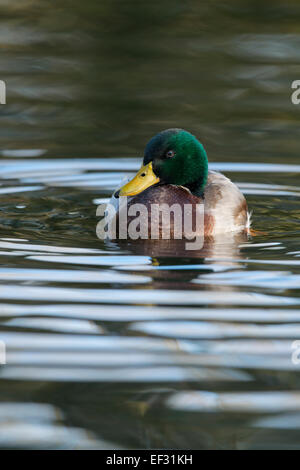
x=131, y=345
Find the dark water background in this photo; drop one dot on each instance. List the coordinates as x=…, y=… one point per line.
x=118, y=346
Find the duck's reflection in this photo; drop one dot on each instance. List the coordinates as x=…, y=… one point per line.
x=225, y=248
x=174, y=266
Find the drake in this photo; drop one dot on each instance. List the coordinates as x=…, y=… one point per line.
x=175, y=170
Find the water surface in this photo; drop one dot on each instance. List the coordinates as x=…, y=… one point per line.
x=126, y=345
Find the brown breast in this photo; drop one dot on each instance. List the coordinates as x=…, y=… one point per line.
x=175, y=203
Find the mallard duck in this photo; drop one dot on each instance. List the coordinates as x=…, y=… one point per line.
x=175, y=170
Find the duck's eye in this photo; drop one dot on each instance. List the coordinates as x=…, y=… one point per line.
x=170, y=154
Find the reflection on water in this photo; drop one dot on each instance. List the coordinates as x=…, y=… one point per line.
x=143, y=345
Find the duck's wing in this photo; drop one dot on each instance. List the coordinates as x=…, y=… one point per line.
x=225, y=204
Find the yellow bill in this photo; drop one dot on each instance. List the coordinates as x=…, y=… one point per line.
x=142, y=180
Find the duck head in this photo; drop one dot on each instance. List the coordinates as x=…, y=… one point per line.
x=173, y=156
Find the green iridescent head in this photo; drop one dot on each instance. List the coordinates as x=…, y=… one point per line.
x=178, y=158
x=174, y=157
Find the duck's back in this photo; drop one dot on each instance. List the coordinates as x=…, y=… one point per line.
x=225, y=204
